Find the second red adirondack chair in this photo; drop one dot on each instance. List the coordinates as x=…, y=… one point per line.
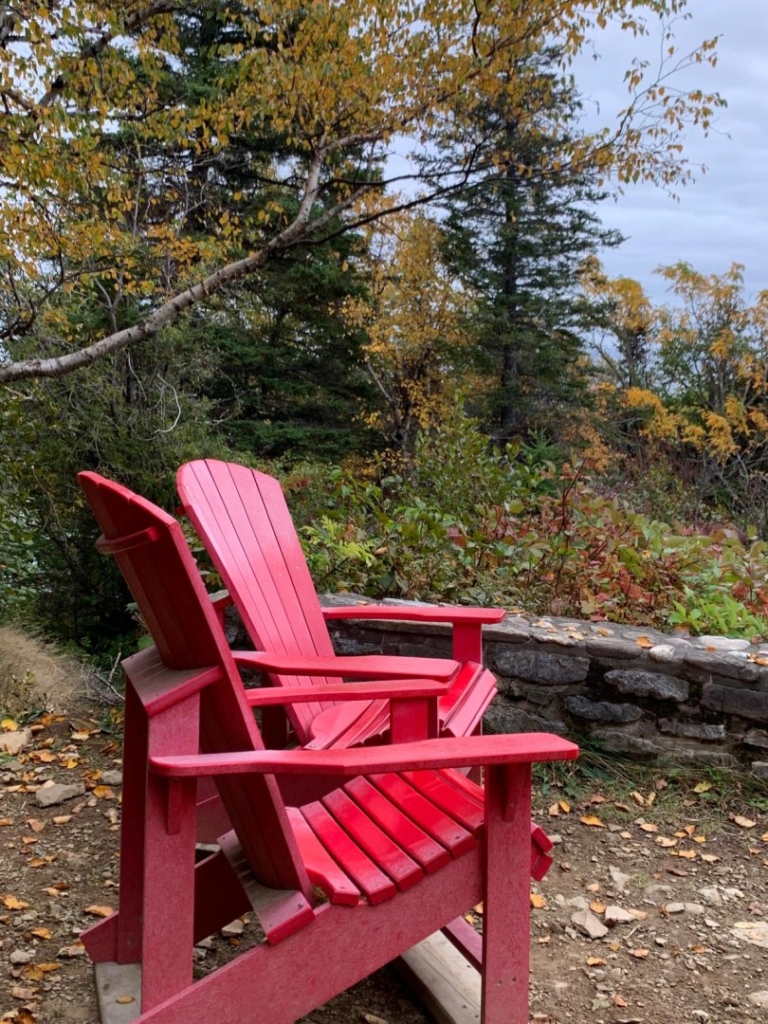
x=243, y=520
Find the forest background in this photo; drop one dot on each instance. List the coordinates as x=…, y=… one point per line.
x=207, y=250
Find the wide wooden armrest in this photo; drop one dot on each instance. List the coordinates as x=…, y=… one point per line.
x=416, y=613
x=362, y=666
x=389, y=690
x=465, y=751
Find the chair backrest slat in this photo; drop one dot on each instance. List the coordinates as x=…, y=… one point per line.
x=245, y=523
x=163, y=578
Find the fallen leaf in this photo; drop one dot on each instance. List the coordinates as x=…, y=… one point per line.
x=12, y=903
x=41, y=933
x=595, y=961
x=665, y=842
x=99, y=911
x=77, y=949
x=622, y=806
x=35, y=824
x=709, y=858
x=554, y=810
x=625, y=835
x=638, y=798
x=478, y=909
x=104, y=793
x=699, y=839
x=79, y=737
x=743, y=822
x=565, y=807
x=591, y=819
x=640, y=954
x=368, y=1016
x=597, y=907
x=619, y=1001
x=648, y=826
x=5, y=821
x=687, y=854
x=544, y=940
x=702, y=787
x=643, y=641
x=537, y=902
x=650, y=799
x=62, y=819
x=8, y=725
x=698, y=948
x=689, y=830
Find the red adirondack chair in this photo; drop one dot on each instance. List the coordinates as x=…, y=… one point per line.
x=243, y=520
x=402, y=847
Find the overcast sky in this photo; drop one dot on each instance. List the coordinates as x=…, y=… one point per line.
x=723, y=217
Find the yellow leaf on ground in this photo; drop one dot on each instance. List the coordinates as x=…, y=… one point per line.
x=687, y=854
x=537, y=902
x=125, y=999
x=643, y=641
x=648, y=826
x=595, y=961
x=554, y=810
x=41, y=933
x=702, y=787
x=597, y=907
x=619, y=1000
x=104, y=793
x=12, y=903
x=565, y=807
x=638, y=798
x=690, y=829
x=665, y=842
x=709, y=858
x=650, y=799
x=35, y=824
x=743, y=822
x=699, y=839
x=641, y=954
x=8, y=725
x=591, y=819
x=99, y=911
x=5, y=821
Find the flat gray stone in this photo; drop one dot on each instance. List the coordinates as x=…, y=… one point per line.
x=540, y=667
x=648, y=684
x=14, y=742
x=714, y=663
x=675, y=908
x=49, y=796
x=760, y=769
x=723, y=643
x=736, y=700
x=602, y=710
x=586, y=922
x=756, y=738
x=759, y=998
x=619, y=879
x=503, y=717
x=693, y=730
x=617, y=915
x=111, y=778
x=621, y=650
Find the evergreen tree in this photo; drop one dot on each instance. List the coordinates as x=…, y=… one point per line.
x=519, y=234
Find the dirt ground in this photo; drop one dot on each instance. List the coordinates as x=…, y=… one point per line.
x=682, y=865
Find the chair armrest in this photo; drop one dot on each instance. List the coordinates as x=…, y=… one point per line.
x=390, y=690
x=363, y=666
x=416, y=613
x=468, y=751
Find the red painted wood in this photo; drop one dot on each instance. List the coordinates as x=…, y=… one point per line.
x=361, y=666
x=322, y=868
x=168, y=589
x=385, y=853
x=219, y=896
x=414, y=840
x=461, y=807
x=506, y=911
x=283, y=983
x=245, y=523
x=423, y=812
x=100, y=940
x=447, y=753
x=399, y=689
x=464, y=937
x=318, y=951
x=416, y=613
x=364, y=872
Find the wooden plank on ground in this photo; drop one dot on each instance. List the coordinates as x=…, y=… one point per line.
x=118, y=982
x=442, y=979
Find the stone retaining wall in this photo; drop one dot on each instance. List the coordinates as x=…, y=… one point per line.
x=636, y=691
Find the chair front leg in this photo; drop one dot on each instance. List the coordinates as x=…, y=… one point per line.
x=506, y=916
